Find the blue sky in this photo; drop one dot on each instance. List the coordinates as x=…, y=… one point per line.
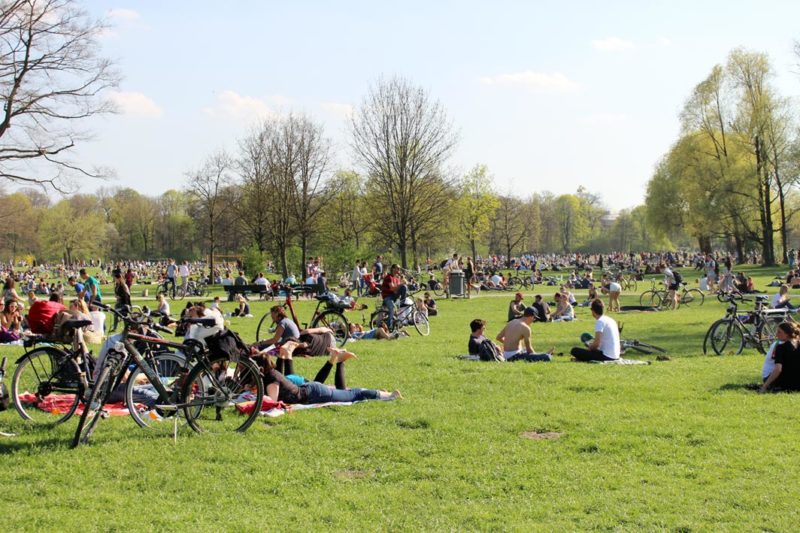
x=549, y=95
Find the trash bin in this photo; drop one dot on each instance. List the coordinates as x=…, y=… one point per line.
x=457, y=288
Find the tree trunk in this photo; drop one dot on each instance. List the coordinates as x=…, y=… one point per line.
x=473, y=248
x=303, y=245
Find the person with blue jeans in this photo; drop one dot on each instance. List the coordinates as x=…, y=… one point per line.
x=280, y=388
x=392, y=289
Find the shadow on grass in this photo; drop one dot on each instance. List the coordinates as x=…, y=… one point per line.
x=744, y=387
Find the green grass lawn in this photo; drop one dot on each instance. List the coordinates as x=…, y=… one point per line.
x=676, y=445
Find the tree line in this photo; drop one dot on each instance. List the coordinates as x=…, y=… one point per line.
x=730, y=180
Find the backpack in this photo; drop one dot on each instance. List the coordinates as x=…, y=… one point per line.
x=678, y=277
x=228, y=344
x=487, y=351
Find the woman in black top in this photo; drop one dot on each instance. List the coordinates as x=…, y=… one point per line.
x=123, y=295
x=786, y=373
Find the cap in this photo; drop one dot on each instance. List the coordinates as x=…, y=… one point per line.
x=531, y=311
x=518, y=295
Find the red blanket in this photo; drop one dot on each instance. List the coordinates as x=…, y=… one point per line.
x=60, y=403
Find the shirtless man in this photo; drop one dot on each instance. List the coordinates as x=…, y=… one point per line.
x=517, y=333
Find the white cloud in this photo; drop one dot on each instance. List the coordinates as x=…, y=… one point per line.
x=135, y=104
x=337, y=109
x=123, y=14
x=542, y=81
x=612, y=44
x=664, y=41
x=606, y=119
x=232, y=105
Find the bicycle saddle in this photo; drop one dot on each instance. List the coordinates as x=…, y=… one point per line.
x=75, y=324
x=205, y=322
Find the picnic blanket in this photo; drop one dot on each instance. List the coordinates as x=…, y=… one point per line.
x=60, y=403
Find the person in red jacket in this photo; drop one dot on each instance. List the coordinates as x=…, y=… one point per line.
x=42, y=314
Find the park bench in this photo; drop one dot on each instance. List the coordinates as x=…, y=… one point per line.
x=232, y=290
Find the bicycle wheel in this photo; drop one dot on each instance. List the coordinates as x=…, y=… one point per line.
x=93, y=409
x=216, y=393
x=262, y=331
x=47, y=377
x=727, y=337
x=438, y=289
x=513, y=282
x=180, y=292
x=766, y=333
x=650, y=299
x=336, y=322
x=693, y=297
x=632, y=284
x=379, y=318
x=645, y=348
x=141, y=396
x=421, y=324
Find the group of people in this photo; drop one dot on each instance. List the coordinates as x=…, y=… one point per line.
x=515, y=337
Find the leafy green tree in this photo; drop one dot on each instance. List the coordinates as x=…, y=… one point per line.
x=476, y=205
x=72, y=234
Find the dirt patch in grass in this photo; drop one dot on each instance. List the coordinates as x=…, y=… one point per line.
x=351, y=474
x=541, y=435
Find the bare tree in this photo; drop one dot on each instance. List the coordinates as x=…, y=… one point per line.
x=401, y=138
x=310, y=194
x=255, y=197
x=51, y=79
x=207, y=186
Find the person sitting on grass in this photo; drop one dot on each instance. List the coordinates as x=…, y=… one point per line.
x=781, y=299
x=542, y=309
x=244, y=307
x=516, y=307
x=605, y=344
x=516, y=339
x=785, y=373
x=279, y=388
x=430, y=304
x=564, y=311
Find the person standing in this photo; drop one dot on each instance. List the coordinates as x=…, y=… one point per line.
x=605, y=345
x=183, y=272
x=356, y=281
x=392, y=289
x=123, y=296
x=91, y=288
x=172, y=273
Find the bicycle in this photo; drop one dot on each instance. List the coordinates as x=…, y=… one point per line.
x=208, y=396
x=404, y=314
x=757, y=329
x=639, y=346
x=654, y=297
x=197, y=288
x=331, y=317
x=51, y=376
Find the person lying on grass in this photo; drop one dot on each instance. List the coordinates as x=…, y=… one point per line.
x=785, y=364
x=280, y=388
x=381, y=332
x=516, y=339
x=605, y=345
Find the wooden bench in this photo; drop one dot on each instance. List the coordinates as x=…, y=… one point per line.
x=232, y=290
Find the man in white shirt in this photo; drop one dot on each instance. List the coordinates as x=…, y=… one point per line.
x=183, y=272
x=605, y=345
